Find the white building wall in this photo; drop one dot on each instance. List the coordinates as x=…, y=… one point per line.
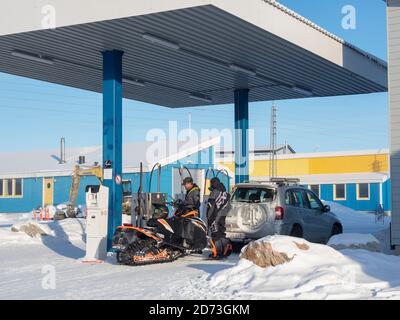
x=394, y=111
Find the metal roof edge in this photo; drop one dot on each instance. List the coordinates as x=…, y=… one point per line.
x=308, y=22
x=361, y=177
x=316, y=155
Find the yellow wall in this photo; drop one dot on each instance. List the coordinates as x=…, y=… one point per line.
x=326, y=165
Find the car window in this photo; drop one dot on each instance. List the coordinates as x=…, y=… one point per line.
x=254, y=195
x=295, y=198
x=300, y=199
x=288, y=198
x=313, y=201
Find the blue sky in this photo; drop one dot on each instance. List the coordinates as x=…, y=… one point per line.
x=34, y=115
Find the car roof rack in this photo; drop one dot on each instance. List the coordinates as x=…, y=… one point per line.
x=277, y=181
x=285, y=181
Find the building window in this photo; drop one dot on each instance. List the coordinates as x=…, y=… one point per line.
x=339, y=191
x=18, y=187
x=363, y=191
x=11, y=188
x=315, y=188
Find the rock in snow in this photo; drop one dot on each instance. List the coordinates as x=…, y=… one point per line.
x=31, y=229
x=262, y=254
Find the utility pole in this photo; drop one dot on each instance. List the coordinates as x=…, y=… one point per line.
x=273, y=158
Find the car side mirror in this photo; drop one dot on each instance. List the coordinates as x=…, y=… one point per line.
x=326, y=208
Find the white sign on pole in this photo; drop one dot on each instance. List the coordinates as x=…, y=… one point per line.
x=108, y=174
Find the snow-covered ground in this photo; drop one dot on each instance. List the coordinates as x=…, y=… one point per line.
x=364, y=223
x=27, y=267
x=26, y=264
x=357, y=222
x=317, y=273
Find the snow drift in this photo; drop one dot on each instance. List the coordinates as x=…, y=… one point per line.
x=320, y=272
x=26, y=231
x=354, y=241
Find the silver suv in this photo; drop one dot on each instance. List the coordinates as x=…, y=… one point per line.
x=280, y=206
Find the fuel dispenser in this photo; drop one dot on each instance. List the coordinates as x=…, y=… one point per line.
x=96, y=223
x=146, y=204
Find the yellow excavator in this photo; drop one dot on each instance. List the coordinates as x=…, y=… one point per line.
x=96, y=171
x=79, y=172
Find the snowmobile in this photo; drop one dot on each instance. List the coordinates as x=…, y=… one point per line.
x=163, y=239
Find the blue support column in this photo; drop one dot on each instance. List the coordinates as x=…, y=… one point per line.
x=112, y=136
x=241, y=135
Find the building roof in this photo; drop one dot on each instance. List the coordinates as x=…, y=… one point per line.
x=186, y=53
x=258, y=150
x=47, y=162
x=307, y=155
x=372, y=177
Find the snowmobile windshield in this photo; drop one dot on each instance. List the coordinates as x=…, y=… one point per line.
x=253, y=195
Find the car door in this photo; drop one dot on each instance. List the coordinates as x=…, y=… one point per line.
x=303, y=212
x=318, y=227
x=292, y=214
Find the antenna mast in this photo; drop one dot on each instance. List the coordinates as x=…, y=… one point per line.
x=273, y=157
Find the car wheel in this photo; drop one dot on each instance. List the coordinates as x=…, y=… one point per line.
x=297, y=231
x=336, y=229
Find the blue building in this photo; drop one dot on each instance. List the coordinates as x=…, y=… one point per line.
x=30, y=180
x=356, y=179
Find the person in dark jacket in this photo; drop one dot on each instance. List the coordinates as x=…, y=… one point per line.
x=192, y=198
x=217, y=208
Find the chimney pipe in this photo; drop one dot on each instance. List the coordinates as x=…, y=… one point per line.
x=62, y=151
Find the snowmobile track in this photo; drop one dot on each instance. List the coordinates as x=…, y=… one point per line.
x=142, y=248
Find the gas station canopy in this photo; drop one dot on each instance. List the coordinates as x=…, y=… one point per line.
x=185, y=53
x=179, y=53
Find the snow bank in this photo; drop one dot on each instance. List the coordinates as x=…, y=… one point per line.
x=354, y=241
x=6, y=218
x=357, y=222
x=320, y=272
x=73, y=230
x=32, y=229
x=7, y=237
x=16, y=230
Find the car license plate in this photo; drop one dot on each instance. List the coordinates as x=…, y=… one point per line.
x=233, y=235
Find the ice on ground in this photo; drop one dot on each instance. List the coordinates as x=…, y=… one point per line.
x=354, y=241
x=320, y=272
